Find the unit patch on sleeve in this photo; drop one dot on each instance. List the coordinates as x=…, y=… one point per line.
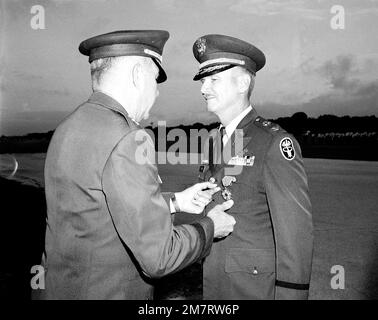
x=287, y=148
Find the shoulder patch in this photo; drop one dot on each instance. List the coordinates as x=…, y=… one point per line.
x=287, y=148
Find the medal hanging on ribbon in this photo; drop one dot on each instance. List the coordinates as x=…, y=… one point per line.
x=227, y=182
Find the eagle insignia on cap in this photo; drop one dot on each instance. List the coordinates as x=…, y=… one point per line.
x=201, y=46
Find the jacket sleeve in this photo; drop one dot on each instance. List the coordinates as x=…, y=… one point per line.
x=290, y=208
x=141, y=215
x=167, y=197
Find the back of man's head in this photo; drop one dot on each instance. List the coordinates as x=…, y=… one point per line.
x=115, y=71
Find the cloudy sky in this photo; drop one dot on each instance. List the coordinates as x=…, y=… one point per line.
x=311, y=66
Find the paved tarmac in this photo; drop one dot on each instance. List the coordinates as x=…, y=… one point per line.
x=344, y=196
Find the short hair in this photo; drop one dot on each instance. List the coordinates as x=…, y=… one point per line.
x=252, y=76
x=99, y=67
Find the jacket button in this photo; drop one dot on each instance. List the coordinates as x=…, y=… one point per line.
x=255, y=270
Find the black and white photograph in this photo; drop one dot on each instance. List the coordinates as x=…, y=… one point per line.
x=205, y=150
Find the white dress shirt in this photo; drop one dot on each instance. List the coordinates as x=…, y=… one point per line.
x=230, y=128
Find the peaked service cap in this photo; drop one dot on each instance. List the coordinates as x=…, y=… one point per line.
x=217, y=53
x=146, y=43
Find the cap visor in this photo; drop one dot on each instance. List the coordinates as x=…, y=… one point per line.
x=162, y=75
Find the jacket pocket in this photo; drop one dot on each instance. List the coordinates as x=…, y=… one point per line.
x=253, y=261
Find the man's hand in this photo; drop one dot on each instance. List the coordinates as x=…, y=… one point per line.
x=196, y=198
x=223, y=222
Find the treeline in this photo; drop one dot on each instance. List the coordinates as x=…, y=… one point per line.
x=299, y=123
x=332, y=137
x=30, y=143
x=327, y=136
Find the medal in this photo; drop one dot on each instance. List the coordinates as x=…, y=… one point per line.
x=212, y=180
x=226, y=194
x=226, y=182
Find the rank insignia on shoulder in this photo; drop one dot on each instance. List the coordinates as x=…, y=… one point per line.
x=275, y=128
x=287, y=148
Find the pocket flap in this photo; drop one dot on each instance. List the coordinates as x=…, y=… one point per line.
x=254, y=261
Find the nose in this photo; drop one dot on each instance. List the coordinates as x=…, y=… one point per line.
x=205, y=87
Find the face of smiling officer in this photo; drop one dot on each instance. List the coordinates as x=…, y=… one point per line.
x=223, y=90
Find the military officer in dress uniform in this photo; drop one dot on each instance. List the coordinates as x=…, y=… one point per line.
x=260, y=167
x=109, y=229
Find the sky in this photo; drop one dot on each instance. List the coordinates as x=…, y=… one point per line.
x=311, y=66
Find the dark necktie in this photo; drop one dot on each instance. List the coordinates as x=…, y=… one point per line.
x=211, y=154
x=222, y=131
x=218, y=147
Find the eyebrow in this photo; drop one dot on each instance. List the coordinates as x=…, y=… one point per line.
x=210, y=76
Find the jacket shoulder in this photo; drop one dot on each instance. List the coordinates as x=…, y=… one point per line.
x=270, y=135
x=106, y=119
x=268, y=127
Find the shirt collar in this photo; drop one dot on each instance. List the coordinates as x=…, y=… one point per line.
x=230, y=128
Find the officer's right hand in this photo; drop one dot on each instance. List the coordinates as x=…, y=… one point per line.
x=223, y=222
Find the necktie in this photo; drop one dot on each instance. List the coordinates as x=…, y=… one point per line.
x=211, y=154
x=224, y=136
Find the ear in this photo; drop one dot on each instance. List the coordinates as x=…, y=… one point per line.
x=137, y=75
x=243, y=82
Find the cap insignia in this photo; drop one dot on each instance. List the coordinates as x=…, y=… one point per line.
x=201, y=46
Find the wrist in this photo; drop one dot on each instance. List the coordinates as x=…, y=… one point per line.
x=175, y=202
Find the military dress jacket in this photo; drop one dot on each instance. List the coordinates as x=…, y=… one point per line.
x=109, y=229
x=269, y=253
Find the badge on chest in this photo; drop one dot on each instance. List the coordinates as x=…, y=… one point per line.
x=227, y=182
x=242, y=161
